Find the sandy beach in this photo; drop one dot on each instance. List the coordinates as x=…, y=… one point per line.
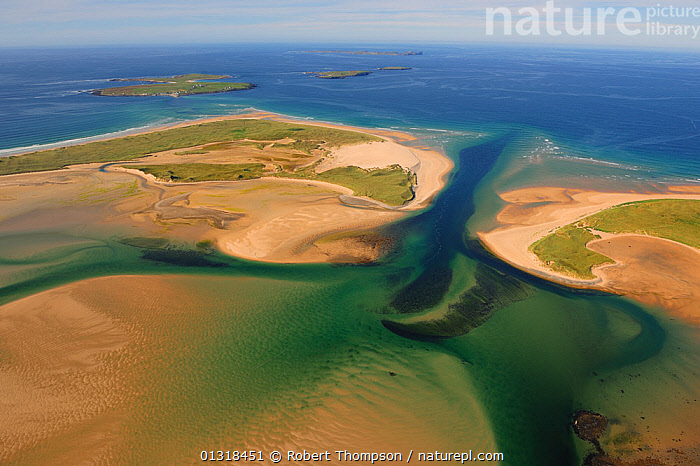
x=533, y=213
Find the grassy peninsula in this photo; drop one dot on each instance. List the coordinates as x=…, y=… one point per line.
x=391, y=185
x=140, y=145
x=674, y=219
x=565, y=250
x=176, y=86
x=207, y=152
x=340, y=74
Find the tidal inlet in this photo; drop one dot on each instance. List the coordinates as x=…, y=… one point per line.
x=264, y=286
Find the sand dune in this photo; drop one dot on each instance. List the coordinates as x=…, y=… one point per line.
x=429, y=166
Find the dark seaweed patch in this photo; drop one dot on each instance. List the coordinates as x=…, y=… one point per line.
x=424, y=292
x=493, y=291
x=180, y=257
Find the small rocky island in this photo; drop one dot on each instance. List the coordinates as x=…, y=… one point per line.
x=353, y=73
x=338, y=74
x=175, y=86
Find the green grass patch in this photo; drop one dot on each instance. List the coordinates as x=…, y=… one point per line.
x=194, y=172
x=674, y=219
x=233, y=145
x=176, y=89
x=391, y=185
x=341, y=74
x=140, y=145
x=303, y=146
x=183, y=84
x=565, y=251
x=192, y=152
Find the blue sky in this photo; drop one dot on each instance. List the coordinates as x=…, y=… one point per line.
x=99, y=22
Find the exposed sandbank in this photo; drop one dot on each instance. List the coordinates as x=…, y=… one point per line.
x=533, y=213
x=58, y=383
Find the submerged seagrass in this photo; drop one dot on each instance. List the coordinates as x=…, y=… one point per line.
x=492, y=291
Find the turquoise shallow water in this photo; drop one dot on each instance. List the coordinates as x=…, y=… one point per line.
x=308, y=337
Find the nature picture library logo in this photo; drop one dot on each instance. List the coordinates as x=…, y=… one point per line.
x=554, y=20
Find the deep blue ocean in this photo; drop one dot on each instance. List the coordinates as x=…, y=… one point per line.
x=638, y=108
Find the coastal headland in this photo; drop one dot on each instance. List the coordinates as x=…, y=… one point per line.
x=258, y=186
x=608, y=241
